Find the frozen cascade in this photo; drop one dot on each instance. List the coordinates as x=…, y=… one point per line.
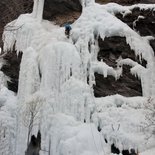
x=29, y=79
x=7, y=121
x=57, y=76
x=38, y=9
x=46, y=70
x=91, y=24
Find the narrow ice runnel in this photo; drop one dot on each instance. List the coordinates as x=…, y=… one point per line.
x=93, y=24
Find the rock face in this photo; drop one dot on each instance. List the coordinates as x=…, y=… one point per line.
x=62, y=11
x=10, y=11
x=58, y=7
x=128, y=85
x=126, y=2
x=11, y=69
x=112, y=48
x=145, y=25
x=52, y=10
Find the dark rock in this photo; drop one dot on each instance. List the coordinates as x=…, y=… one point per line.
x=127, y=2
x=11, y=10
x=144, y=26
x=152, y=43
x=63, y=11
x=56, y=7
x=114, y=149
x=128, y=85
x=35, y=145
x=105, y=140
x=11, y=69
x=147, y=1
x=125, y=152
x=54, y=10
x=114, y=47
x=133, y=152
x=99, y=128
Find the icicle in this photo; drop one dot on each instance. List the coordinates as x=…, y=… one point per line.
x=38, y=9
x=29, y=78
x=35, y=8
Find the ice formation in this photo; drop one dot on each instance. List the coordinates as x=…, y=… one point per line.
x=53, y=84
x=7, y=121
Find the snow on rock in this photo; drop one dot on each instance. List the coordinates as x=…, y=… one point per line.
x=92, y=24
x=99, y=22
x=115, y=8
x=105, y=70
x=55, y=71
x=137, y=70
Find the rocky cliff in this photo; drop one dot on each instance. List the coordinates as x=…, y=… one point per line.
x=126, y=2
x=143, y=22
x=128, y=85
x=64, y=11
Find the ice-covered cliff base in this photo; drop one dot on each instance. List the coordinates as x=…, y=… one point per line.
x=56, y=82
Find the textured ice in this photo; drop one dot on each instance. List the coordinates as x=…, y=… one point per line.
x=57, y=77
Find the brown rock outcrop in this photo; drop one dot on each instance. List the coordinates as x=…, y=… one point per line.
x=128, y=85
x=11, y=69
x=127, y=2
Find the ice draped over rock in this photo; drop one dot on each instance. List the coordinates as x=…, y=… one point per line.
x=57, y=74
x=28, y=69
x=96, y=23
